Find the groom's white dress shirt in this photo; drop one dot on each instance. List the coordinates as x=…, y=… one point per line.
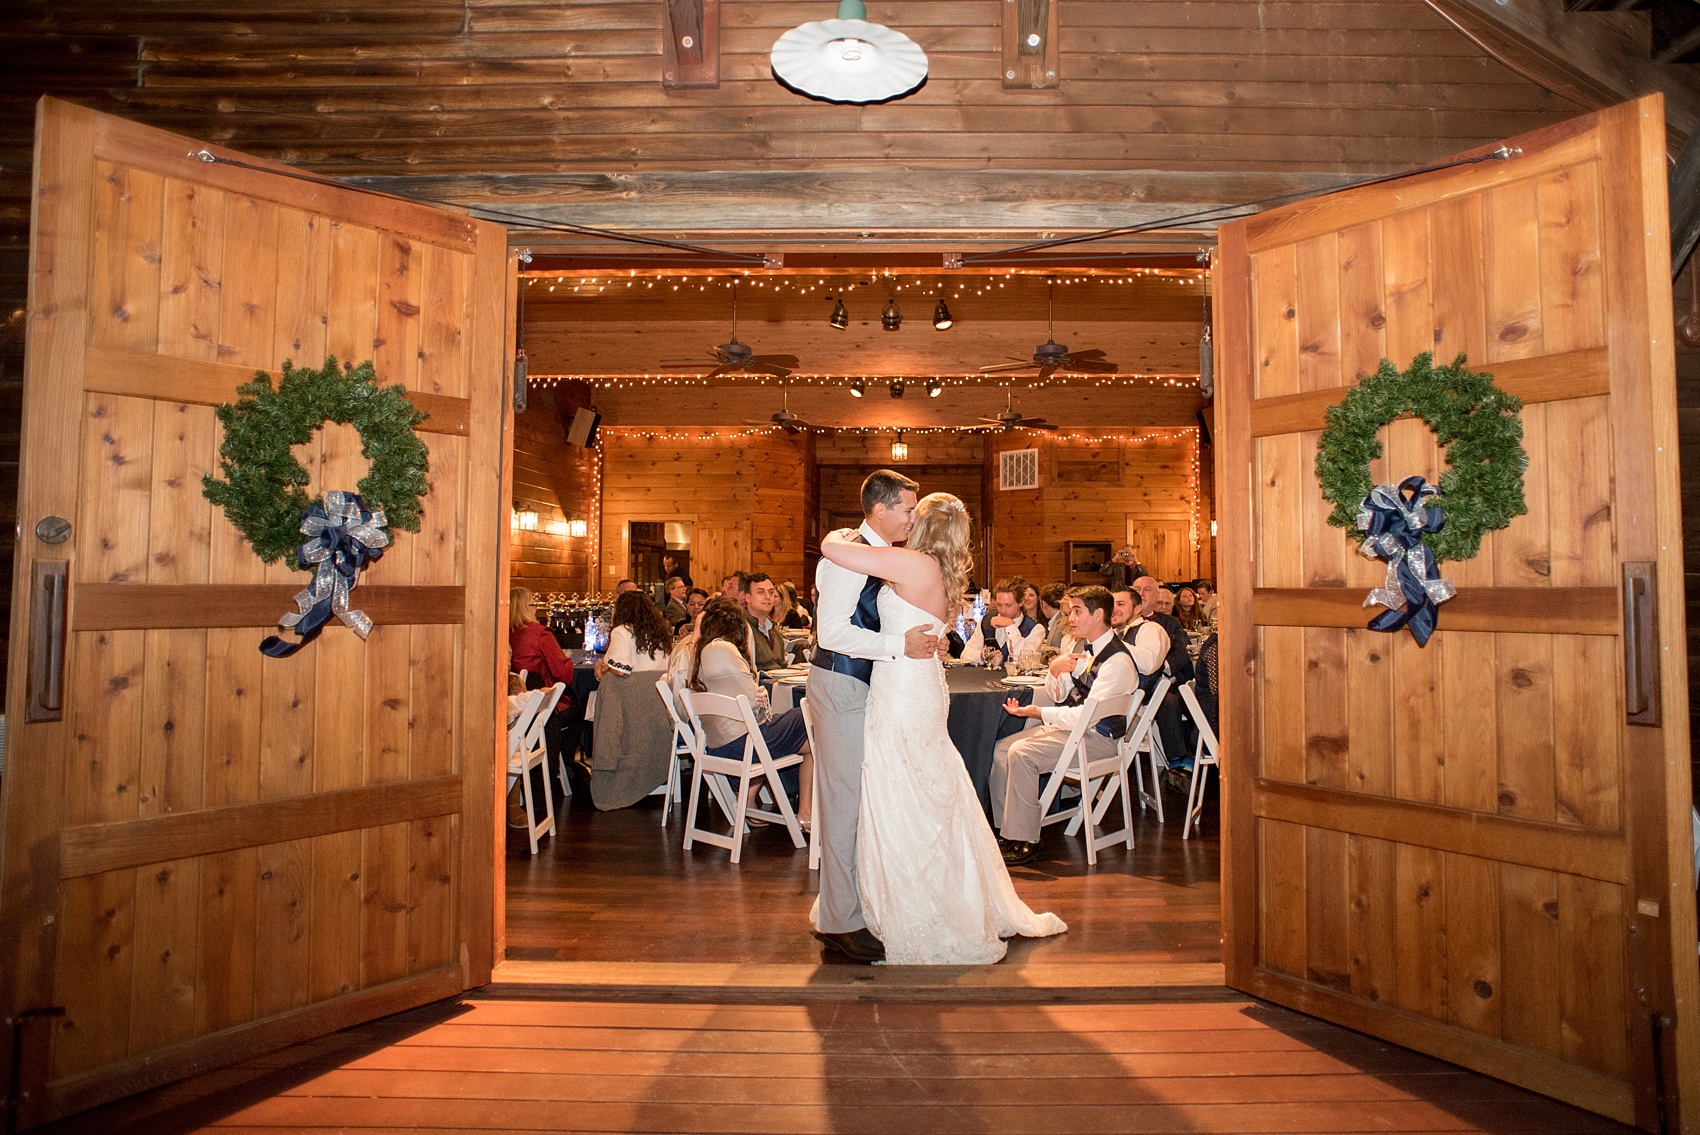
x=840, y=588
x=1115, y=676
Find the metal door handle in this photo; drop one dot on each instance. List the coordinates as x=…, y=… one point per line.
x=1641, y=643
x=47, y=639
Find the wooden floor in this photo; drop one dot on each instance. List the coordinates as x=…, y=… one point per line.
x=804, y=1047
x=616, y=886
x=489, y=1064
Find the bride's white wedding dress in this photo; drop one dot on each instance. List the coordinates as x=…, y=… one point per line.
x=934, y=886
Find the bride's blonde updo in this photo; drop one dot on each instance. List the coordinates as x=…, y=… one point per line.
x=941, y=531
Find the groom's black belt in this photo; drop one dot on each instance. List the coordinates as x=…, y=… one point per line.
x=860, y=669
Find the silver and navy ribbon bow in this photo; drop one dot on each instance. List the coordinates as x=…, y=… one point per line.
x=342, y=538
x=1393, y=520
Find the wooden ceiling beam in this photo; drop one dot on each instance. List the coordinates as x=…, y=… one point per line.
x=1595, y=58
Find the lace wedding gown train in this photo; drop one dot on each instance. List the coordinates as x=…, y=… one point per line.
x=934, y=886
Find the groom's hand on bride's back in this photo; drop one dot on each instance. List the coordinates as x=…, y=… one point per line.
x=918, y=642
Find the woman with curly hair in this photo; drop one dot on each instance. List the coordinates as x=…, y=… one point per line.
x=640, y=638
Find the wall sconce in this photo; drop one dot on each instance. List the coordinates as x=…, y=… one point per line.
x=899, y=448
x=525, y=519
x=578, y=528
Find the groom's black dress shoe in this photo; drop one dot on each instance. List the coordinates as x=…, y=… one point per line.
x=858, y=945
x=1019, y=851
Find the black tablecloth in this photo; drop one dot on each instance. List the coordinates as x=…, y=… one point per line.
x=978, y=721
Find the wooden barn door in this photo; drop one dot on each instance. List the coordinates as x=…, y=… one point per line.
x=1467, y=849
x=208, y=852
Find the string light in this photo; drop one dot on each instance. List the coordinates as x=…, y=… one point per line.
x=1145, y=380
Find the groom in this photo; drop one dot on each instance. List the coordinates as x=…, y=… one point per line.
x=847, y=629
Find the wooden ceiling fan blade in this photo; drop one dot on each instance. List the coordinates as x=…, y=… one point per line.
x=1092, y=366
x=790, y=362
x=1047, y=371
x=1094, y=353
x=725, y=368
x=1037, y=424
x=1006, y=367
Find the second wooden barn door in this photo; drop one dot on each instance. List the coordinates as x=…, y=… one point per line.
x=1466, y=848
x=210, y=852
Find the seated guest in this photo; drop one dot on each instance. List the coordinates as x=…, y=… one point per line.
x=1030, y=604
x=792, y=616
x=1207, y=685
x=533, y=644
x=1055, y=616
x=721, y=664
x=1206, y=598
x=1012, y=632
x=737, y=587
x=1165, y=601
x=674, y=608
x=695, y=600
x=639, y=640
x=1189, y=612
x=762, y=602
x=624, y=586
x=1102, y=665
x=1146, y=638
x=1180, y=668
x=670, y=567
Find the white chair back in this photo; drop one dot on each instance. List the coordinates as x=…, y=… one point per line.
x=1205, y=754
x=522, y=723
x=684, y=745
x=1139, y=740
x=1101, y=780
x=739, y=776
x=527, y=751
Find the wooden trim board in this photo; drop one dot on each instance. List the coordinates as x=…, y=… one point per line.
x=1589, y=852
x=148, y=606
x=1543, y=378
x=792, y=983
x=1520, y=610
x=139, y=374
x=92, y=848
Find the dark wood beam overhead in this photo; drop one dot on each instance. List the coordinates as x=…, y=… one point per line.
x=1030, y=56
x=690, y=44
x=1676, y=32
x=1597, y=58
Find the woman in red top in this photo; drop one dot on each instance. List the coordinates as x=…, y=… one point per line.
x=533, y=644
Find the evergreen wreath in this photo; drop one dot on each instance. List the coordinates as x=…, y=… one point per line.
x=1476, y=422
x=263, y=491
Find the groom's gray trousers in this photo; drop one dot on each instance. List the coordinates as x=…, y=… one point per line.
x=838, y=705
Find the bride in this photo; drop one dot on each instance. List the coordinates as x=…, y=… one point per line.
x=933, y=883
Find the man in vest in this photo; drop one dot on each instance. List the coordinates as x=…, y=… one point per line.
x=1012, y=632
x=1100, y=664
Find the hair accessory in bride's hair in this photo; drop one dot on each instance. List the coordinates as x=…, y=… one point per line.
x=954, y=504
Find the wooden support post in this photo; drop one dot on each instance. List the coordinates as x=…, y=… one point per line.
x=690, y=44
x=1030, y=44
x=1684, y=204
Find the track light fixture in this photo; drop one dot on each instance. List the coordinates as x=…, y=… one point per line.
x=897, y=388
x=941, y=317
x=840, y=318
x=857, y=388
x=934, y=388
x=891, y=319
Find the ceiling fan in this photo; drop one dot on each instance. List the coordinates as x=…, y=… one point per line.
x=1012, y=417
x=1051, y=356
x=735, y=357
x=783, y=417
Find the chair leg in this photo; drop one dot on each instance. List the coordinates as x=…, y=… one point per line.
x=530, y=806
x=1127, y=808
x=738, y=814
x=548, y=797
x=1157, y=781
x=777, y=791
x=691, y=808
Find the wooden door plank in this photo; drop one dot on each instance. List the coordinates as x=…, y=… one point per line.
x=192, y=264
x=172, y=753
x=117, y=456
x=1419, y=930
x=124, y=291
x=1529, y=914
x=1282, y=930
x=1524, y=692
x=1473, y=968
x=224, y=982
x=254, y=605
x=282, y=961
x=162, y=1009
x=1528, y=610
x=98, y=942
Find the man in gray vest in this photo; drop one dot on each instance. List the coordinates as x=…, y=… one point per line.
x=1099, y=664
x=847, y=628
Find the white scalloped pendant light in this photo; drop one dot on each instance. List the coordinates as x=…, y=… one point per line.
x=848, y=59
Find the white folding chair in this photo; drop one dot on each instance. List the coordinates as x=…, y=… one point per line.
x=1205, y=754
x=1141, y=739
x=552, y=696
x=683, y=746
x=814, y=787
x=522, y=758
x=1100, y=780
x=738, y=775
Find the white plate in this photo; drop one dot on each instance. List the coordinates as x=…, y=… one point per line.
x=1031, y=681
